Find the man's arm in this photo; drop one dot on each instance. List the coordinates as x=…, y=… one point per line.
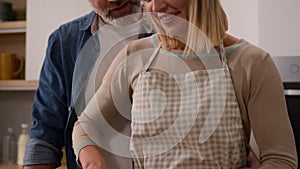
x=49, y=110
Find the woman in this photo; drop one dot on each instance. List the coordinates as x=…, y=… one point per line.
x=189, y=112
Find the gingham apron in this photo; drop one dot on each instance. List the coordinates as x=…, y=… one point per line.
x=176, y=126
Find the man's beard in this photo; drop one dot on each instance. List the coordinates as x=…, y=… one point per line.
x=124, y=18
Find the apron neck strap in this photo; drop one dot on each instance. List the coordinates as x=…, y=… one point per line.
x=156, y=51
x=152, y=58
x=223, y=53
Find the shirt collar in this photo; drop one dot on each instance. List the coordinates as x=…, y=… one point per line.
x=93, y=21
x=89, y=21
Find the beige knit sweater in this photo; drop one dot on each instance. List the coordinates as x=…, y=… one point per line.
x=259, y=92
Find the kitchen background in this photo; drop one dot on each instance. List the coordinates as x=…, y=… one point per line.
x=270, y=24
x=27, y=35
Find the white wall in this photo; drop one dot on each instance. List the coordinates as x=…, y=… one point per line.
x=84, y=7
x=273, y=25
x=243, y=18
x=279, y=27
x=43, y=17
x=270, y=24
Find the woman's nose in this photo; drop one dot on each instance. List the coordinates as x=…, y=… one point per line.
x=159, y=6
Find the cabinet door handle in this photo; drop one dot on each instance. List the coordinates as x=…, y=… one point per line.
x=292, y=92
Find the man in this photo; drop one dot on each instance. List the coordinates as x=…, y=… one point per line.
x=53, y=109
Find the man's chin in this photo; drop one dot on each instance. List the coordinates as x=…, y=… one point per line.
x=126, y=20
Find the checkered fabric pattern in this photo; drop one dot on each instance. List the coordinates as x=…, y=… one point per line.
x=181, y=122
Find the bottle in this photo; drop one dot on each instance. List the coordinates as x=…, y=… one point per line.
x=9, y=155
x=64, y=157
x=22, y=140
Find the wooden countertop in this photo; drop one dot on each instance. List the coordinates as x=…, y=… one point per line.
x=20, y=167
x=10, y=167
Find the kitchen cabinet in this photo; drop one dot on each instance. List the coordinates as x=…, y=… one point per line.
x=12, y=40
x=29, y=37
x=12, y=37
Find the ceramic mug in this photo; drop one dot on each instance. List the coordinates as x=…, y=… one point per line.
x=11, y=66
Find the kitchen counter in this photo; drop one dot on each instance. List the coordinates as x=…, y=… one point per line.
x=20, y=167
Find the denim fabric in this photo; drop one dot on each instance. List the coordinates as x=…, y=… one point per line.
x=52, y=113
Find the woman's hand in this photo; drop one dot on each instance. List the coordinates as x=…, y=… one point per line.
x=90, y=157
x=40, y=166
x=252, y=162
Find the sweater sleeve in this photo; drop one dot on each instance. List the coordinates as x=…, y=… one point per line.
x=269, y=118
x=80, y=140
x=93, y=122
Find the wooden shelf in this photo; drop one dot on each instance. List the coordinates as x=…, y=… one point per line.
x=10, y=166
x=18, y=85
x=13, y=27
x=11, y=40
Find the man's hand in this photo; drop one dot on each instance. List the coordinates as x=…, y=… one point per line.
x=40, y=166
x=252, y=162
x=90, y=158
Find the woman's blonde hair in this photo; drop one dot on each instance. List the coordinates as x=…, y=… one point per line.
x=209, y=16
x=207, y=22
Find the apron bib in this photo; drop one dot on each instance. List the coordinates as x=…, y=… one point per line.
x=186, y=120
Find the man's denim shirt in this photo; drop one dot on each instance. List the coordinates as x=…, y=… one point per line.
x=52, y=112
